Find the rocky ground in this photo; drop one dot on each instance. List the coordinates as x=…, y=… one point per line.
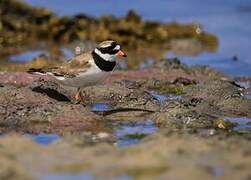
x=31, y=103
x=199, y=119
x=194, y=136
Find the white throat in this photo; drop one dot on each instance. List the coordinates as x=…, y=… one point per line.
x=107, y=57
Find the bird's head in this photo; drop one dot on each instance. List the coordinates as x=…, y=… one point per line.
x=109, y=50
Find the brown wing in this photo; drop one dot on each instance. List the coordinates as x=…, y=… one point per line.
x=72, y=68
x=78, y=64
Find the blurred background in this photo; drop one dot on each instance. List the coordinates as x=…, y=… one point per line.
x=215, y=32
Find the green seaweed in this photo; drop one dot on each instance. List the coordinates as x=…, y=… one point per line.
x=172, y=90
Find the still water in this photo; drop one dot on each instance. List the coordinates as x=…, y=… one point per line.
x=229, y=20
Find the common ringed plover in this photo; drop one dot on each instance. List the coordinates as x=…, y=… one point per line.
x=85, y=69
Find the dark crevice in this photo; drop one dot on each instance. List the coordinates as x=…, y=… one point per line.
x=52, y=93
x=117, y=110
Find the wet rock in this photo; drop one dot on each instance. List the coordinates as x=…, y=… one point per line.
x=219, y=97
x=17, y=79
x=23, y=110
x=122, y=98
x=165, y=87
x=131, y=84
x=184, y=81
x=206, y=97
x=176, y=115
x=202, y=105
x=167, y=71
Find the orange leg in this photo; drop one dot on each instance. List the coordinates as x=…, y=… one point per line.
x=78, y=96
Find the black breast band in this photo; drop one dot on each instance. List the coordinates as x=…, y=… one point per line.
x=103, y=64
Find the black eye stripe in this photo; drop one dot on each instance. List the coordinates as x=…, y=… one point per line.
x=113, y=45
x=109, y=49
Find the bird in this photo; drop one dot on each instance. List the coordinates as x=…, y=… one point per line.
x=85, y=69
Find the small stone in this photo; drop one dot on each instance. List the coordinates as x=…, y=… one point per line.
x=212, y=132
x=103, y=135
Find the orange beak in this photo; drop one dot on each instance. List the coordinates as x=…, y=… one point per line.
x=121, y=54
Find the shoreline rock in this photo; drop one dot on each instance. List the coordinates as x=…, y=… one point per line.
x=32, y=103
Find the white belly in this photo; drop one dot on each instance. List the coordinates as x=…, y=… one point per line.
x=84, y=80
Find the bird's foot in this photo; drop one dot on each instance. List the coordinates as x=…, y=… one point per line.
x=78, y=97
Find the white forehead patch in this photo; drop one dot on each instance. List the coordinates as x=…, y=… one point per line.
x=105, y=44
x=117, y=47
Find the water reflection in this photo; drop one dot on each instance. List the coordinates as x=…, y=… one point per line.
x=224, y=64
x=78, y=176
x=68, y=176
x=101, y=107
x=27, y=55
x=243, y=123
x=163, y=97
x=44, y=139
x=129, y=134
